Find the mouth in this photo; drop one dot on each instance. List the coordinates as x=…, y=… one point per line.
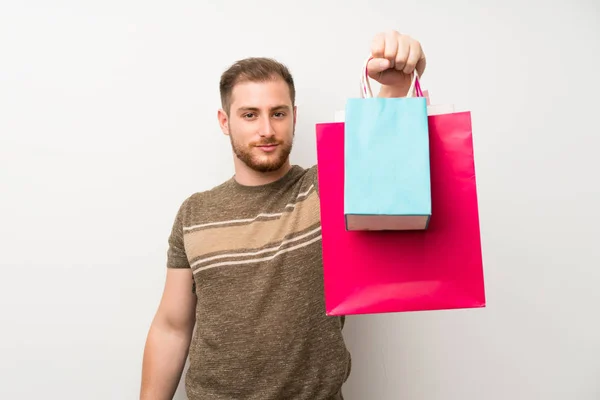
x=268, y=147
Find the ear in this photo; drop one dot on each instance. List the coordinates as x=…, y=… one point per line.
x=295, y=114
x=223, y=121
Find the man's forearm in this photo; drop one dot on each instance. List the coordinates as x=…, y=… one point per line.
x=164, y=359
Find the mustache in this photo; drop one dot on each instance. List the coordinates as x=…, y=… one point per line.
x=267, y=142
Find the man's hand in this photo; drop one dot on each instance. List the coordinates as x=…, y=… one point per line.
x=395, y=57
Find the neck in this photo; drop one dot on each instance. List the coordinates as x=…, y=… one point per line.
x=246, y=176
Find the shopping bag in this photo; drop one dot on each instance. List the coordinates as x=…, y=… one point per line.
x=439, y=268
x=387, y=177
x=432, y=109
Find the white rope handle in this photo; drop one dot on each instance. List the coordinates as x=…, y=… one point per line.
x=365, y=83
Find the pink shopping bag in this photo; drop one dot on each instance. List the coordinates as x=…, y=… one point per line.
x=399, y=271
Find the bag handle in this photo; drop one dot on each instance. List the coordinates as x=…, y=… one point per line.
x=415, y=87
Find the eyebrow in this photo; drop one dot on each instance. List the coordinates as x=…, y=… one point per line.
x=279, y=107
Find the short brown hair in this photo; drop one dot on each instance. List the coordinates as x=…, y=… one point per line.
x=253, y=69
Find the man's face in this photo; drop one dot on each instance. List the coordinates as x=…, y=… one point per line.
x=261, y=124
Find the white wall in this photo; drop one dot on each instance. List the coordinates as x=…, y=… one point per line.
x=108, y=120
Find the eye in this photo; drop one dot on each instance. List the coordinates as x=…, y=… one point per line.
x=248, y=115
x=279, y=114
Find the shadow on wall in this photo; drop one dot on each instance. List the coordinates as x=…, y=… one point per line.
x=415, y=355
x=374, y=341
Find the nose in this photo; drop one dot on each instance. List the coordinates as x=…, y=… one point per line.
x=266, y=127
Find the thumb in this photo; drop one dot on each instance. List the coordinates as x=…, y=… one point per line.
x=377, y=65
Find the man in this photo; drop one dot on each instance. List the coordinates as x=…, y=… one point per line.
x=244, y=258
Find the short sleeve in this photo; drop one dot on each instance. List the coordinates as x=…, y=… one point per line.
x=313, y=174
x=176, y=256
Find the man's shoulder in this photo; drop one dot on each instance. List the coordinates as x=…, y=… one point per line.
x=311, y=176
x=217, y=191
x=308, y=174
x=312, y=173
x=300, y=181
x=203, y=199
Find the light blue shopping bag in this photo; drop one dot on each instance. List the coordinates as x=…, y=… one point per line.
x=387, y=182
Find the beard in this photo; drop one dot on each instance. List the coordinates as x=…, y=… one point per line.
x=266, y=162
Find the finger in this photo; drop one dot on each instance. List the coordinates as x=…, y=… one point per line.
x=402, y=53
x=377, y=65
x=378, y=46
x=391, y=47
x=414, y=55
x=421, y=65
